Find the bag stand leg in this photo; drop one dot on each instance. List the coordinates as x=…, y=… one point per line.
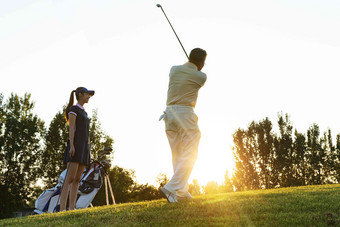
x=107, y=197
x=107, y=182
x=113, y=198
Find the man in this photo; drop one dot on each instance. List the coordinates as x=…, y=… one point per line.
x=181, y=122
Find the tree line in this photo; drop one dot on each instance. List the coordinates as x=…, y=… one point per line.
x=265, y=159
x=31, y=152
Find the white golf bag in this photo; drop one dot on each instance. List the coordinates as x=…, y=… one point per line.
x=90, y=183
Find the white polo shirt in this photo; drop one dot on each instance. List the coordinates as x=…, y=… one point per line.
x=184, y=84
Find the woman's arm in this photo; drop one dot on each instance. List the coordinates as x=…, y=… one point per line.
x=72, y=127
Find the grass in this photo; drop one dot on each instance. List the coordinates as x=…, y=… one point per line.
x=295, y=206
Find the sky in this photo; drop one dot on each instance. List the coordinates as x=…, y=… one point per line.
x=264, y=57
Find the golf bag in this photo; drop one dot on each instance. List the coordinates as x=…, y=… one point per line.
x=90, y=183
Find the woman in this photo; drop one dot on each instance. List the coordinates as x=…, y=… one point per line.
x=77, y=155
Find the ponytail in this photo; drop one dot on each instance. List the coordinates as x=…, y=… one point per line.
x=70, y=103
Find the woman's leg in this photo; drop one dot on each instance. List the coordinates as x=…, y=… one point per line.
x=70, y=174
x=75, y=186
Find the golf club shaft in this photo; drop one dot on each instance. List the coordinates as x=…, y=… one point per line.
x=158, y=5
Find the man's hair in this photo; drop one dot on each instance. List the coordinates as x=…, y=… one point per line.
x=197, y=55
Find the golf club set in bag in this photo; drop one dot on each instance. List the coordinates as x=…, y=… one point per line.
x=90, y=183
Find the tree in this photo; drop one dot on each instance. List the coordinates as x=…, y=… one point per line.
x=284, y=151
x=227, y=184
x=212, y=187
x=2, y=128
x=330, y=158
x=4, y=192
x=264, y=145
x=162, y=179
x=122, y=182
x=2, y=125
x=145, y=192
x=195, y=188
x=337, y=159
x=55, y=147
x=245, y=175
x=126, y=189
x=98, y=139
x=265, y=160
x=21, y=133
x=301, y=163
x=315, y=155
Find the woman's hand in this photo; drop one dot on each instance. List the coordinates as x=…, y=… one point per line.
x=72, y=151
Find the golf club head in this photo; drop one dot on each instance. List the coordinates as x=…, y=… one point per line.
x=107, y=150
x=106, y=164
x=158, y=5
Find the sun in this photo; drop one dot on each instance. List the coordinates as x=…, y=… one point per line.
x=211, y=165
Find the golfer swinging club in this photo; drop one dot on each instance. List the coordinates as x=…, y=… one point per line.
x=181, y=122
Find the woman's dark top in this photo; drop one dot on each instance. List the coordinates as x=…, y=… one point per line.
x=81, y=137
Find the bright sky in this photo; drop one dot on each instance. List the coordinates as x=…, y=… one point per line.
x=264, y=57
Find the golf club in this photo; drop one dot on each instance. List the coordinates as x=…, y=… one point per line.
x=159, y=6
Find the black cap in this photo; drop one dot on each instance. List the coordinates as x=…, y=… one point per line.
x=84, y=90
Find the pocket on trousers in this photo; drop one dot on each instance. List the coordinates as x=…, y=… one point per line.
x=170, y=124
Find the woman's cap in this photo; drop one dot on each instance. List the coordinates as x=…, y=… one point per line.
x=84, y=90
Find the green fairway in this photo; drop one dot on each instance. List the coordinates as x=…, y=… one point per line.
x=296, y=206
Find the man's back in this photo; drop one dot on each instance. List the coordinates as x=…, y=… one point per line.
x=184, y=84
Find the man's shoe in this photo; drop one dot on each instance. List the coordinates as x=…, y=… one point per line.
x=171, y=197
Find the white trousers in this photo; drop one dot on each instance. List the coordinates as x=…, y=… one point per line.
x=184, y=135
